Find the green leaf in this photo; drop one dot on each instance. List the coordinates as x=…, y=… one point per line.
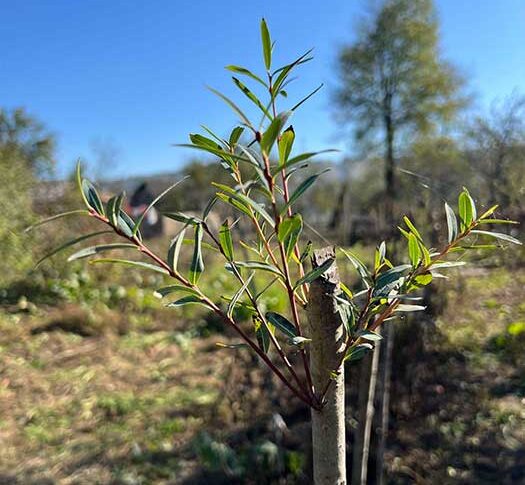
x=86, y=252
x=92, y=197
x=57, y=216
x=299, y=341
x=226, y=241
x=412, y=228
x=358, y=352
x=306, y=252
x=390, y=280
x=452, y=223
x=263, y=335
x=266, y=44
x=306, y=98
x=246, y=201
x=282, y=323
x=467, y=210
x=423, y=279
x=113, y=208
x=233, y=106
x=168, y=290
x=498, y=235
x=246, y=72
x=127, y=262
x=154, y=201
x=237, y=295
x=315, y=273
x=289, y=231
x=369, y=335
x=409, y=308
x=256, y=265
x=272, y=132
x=68, y=244
x=79, y=183
x=285, y=71
x=497, y=221
x=489, y=212
x=414, y=253
x=285, y=145
x=254, y=99
x=301, y=189
x=361, y=268
x=230, y=346
x=197, y=263
x=208, y=208
x=235, y=135
x=447, y=264
x=187, y=300
x=303, y=157
x=174, y=250
x=185, y=219
x=126, y=225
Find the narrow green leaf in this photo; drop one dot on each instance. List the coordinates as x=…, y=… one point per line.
x=498, y=235
x=358, y=352
x=256, y=265
x=497, y=221
x=168, y=290
x=154, y=201
x=306, y=98
x=226, y=241
x=57, y=216
x=235, y=136
x=246, y=201
x=369, y=335
x=126, y=225
x=301, y=189
x=79, y=183
x=230, y=346
x=489, y=212
x=237, y=295
x=180, y=217
x=361, y=268
x=282, y=323
x=409, y=308
x=90, y=251
x=208, y=208
x=412, y=228
x=174, y=250
x=285, y=145
x=289, y=231
x=197, y=263
x=414, y=252
x=272, y=132
x=266, y=44
x=246, y=72
x=233, y=106
x=68, y=244
x=127, y=262
x=452, y=223
x=447, y=264
x=466, y=210
x=423, y=279
x=303, y=157
x=92, y=197
x=263, y=335
x=113, y=208
x=254, y=99
x=315, y=273
x=187, y=300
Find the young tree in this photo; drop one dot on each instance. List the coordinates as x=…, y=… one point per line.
x=342, y=324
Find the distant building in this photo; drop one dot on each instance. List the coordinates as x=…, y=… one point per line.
x=152, y=225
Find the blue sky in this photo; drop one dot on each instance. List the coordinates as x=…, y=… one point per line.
x=134, y=72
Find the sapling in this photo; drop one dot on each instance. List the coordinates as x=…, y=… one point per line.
x=327, y=324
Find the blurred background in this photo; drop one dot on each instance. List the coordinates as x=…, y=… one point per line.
x=99, y=383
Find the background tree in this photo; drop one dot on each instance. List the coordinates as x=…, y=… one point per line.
x=393, y=81
x=34, y=145
x=496, y=150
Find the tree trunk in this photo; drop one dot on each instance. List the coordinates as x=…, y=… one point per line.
x=367, y=388
x=327, y=334
x=386, y=374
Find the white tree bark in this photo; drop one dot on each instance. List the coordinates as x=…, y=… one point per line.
x=327, y=334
